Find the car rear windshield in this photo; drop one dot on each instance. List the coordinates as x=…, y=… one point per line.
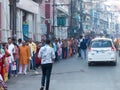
x=101, y=43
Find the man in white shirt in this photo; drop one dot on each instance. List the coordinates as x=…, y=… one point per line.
x=79, y=49
x=19, y=42
x=11, y=50
x=47, y=55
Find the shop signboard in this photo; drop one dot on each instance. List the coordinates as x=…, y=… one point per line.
x=25, y=29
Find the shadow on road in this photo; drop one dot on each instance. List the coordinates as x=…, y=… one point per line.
x=100, y=64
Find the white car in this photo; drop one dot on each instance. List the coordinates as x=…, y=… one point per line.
x=102, y=50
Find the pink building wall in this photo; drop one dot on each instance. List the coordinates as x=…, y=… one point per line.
x=0, y=20
x=47, y=11
x=47, y=8
x=42, y=6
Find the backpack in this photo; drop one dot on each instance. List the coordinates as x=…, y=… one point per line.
x=83, y=44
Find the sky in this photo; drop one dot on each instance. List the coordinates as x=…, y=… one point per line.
x=115, y=4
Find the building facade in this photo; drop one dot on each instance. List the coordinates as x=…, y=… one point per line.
x=5, y=31
x=33, y=19
x=61, y=18
x=96, y=17
x=43, y=18
x=29, y=20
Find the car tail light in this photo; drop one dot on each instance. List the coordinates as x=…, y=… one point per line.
x=113, y=48
x=89, y=49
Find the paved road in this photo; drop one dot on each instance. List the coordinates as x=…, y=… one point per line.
x=73, y=74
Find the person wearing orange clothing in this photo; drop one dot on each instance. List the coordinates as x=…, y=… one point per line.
x=24, y=58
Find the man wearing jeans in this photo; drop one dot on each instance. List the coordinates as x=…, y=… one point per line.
x=83, y=48
x=33, y=49
x=47, y=55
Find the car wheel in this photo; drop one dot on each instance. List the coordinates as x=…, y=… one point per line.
x=89, y=63
x=114, y=63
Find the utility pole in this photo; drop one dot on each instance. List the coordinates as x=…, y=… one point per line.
x=53, y=17
x=14, y=18
x=81, y=16
x=71, y=12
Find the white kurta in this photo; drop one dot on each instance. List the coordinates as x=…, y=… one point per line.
x=11, y=50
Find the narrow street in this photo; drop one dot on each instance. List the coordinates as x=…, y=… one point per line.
x=63, y=27
x=72, y=74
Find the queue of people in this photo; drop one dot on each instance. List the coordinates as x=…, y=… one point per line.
x=19, y=57
x=22, y=56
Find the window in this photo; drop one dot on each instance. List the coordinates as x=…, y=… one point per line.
x=101, y=43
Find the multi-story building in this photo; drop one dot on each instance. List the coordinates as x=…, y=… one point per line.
x=74, y=30
x=61, y=18
x=97, y=17
x=48, y=16
x=26, y=18
x=43, y=25
x=4, y=20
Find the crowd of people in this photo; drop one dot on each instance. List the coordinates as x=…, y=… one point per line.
x=19, y=56
x=23, y=54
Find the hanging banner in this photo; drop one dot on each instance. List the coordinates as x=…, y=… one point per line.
x=25, y=29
